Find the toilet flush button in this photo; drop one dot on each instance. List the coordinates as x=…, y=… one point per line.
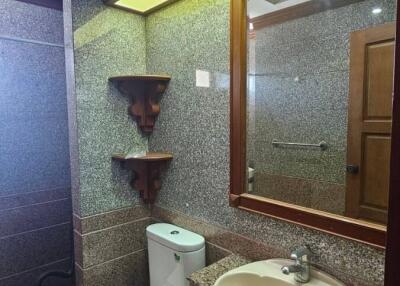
x=174, y=232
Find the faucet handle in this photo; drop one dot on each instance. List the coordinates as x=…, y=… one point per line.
x=301, y=253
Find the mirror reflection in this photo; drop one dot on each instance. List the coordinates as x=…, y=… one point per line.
x=319, y=102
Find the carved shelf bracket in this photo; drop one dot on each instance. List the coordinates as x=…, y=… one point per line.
x=146, y=172
x=145, y=91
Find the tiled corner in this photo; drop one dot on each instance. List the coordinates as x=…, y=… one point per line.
x=111, y=248
x=128, y=270
x=114, y=242
x=215, y=253
x=107, y=42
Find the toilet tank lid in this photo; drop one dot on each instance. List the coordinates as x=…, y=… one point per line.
x=174, y=237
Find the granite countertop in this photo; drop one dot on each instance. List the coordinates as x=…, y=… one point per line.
x=208, y=275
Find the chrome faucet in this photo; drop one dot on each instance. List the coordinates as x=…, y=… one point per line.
x=301, y=268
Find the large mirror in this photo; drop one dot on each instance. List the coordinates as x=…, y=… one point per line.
x=318, y=108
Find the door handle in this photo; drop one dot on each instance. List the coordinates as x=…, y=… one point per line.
x=352, y=169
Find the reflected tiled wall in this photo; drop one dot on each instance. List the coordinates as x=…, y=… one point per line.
x=35, y=203
x=302, y=86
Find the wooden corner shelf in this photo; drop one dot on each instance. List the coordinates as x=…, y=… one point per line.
x=147, y=171
x=145, y=90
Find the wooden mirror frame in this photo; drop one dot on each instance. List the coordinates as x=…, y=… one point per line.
x=353, y=229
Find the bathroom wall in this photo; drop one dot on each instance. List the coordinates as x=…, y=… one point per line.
x=35, y=201
x=109, y=222
x=193, y=35
x=302, y=87
x=188, y=36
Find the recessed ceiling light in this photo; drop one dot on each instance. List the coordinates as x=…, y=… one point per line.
x=142, y=7
x=377, y=10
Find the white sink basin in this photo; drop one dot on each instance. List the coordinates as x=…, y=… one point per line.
x=268, y=273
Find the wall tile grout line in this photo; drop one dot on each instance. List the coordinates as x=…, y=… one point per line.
x=34, y=230
x=106, y=213
x=15, y=194
x=22, y=40
x=111, y=260
x=112, y=227
x=66, y=199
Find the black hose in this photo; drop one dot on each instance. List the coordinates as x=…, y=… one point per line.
x=56, y=273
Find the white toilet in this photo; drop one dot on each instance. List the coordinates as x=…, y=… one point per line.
x=174, y=253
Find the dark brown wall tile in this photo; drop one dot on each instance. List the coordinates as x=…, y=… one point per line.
x=35, y=248
x=29, y=278
x=33, y=217
x=25, y=199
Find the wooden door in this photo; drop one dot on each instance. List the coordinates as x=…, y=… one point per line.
x=370, y=120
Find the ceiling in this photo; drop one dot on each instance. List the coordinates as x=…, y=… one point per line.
x=257, y=8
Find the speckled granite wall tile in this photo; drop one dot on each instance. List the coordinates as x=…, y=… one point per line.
x=107, y=42
x=346, y=19
x=113, y=242
x=307, y=193
x=218, y=236
x=129, y=270
x=312, y=109
x=109, y=219
x=18, y=18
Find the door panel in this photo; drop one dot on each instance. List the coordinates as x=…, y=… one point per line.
x=369, y=128
x=379, y=88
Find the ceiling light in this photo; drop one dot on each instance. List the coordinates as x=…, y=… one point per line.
x=377, y=10
x=142, y=7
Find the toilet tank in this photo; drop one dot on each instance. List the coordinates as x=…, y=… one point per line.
x=174, y=253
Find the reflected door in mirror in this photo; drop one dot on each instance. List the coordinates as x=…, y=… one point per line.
x=370, y=120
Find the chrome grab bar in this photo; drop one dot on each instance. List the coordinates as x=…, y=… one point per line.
x=322, y=145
